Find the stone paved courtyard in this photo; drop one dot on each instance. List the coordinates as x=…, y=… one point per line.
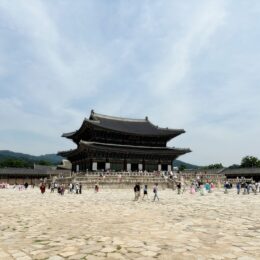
x=110, y=225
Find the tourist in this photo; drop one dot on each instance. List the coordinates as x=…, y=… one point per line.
x=179, y=187
x=42, y=188
x=135, y=192
x=253, y=187
x=52, y=187
x=96, y=187
x=226, y=187
x=138, y=190
x=62, y=189
x=238, y=187
x=192, y=188
x=26, y=185
x=245, y=188
x=207, y=187
x=77, y=188
x=201, y=189
x=70, y=188
x=249, y=186
x=145, y=191
x=155, y=191
x=80, y=188
x=212, y=186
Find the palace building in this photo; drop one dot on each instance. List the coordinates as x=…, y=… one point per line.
x=121, y=144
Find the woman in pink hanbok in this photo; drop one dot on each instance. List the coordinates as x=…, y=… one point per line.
x=192, y=189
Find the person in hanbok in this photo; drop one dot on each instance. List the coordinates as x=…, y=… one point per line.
x=42, y=188
x=192, y=189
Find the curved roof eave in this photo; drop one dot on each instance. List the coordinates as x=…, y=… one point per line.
x=83, y=144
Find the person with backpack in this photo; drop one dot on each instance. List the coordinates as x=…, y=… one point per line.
x=155, y=191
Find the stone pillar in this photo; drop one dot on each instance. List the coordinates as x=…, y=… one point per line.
x=107, y=166
x=128, y=167
x=159, y=167
x=94, y=166
x=140, y=166
x=169, y=167
x=77, y=168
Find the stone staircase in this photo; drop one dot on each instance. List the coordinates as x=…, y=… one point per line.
x=113, y=181
x=122, y=180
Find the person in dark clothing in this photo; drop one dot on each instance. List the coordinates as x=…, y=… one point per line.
x=80, y=188
x=137, y=191
x=179, y=187
x=145, y=191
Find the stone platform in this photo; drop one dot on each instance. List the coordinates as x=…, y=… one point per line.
x=110, y=225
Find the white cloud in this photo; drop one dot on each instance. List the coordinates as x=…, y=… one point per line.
x=191, y=65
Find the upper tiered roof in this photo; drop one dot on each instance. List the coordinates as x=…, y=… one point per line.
x=140, y=127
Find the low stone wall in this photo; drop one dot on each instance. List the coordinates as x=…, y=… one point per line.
x=21, y=181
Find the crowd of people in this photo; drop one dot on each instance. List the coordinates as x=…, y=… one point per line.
x=247, y=187
x=137, y=191
x=197, y=185
x=4, y=185
x=20, y=187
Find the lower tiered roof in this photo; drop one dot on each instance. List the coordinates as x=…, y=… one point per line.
x=124, y=149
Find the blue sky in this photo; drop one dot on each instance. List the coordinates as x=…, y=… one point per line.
x=185, y=64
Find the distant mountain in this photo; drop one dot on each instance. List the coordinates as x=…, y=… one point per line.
x=178, y=163
x=51, y=158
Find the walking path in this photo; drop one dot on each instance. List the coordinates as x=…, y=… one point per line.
x=110, y=225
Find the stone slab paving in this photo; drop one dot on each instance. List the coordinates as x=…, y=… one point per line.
x=110, y=225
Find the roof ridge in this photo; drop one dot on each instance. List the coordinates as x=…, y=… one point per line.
x=94, y=114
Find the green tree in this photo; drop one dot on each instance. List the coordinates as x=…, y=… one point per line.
x=215, y=166
x=46, y=163
x=234, y=166
x=15, y=163
x=182, y=167
x=250, y=161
